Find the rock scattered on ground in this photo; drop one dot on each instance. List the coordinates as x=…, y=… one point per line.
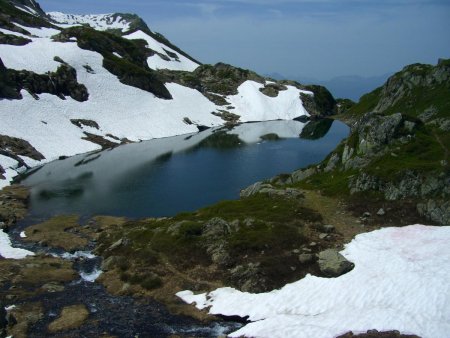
x=333, y=264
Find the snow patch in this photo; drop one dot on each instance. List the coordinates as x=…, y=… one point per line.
x=42, y=32
x=6, y=31
x=100, y=22
x=400, y=281
x=156, y=62
x=7, y=251
x=10, y=167
x=23, y=234
x=252, y=105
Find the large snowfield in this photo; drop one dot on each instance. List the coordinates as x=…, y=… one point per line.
x=400, y=282
x=120, y=110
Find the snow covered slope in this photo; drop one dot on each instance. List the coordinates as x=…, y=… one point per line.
x=101, y=22
x=400, y=282
x=113, y=112
x=164, y=58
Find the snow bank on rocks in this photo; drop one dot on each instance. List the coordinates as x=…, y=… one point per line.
x=252, y=105
x=156, y=62
x=7, y=251
x=100, y=22
x=400, y=281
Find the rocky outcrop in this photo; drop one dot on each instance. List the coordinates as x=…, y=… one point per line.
x=215, y=232
x=248, y=277
x=14, y=148
x=272, y=89
x=436, y=210
x=9, y=39
x=417, y=75
x=62, y=83
x=228, y=117
x=131, y=67
x=266, y=188
x=223, y=78
x=333, y=264
x=83, y=122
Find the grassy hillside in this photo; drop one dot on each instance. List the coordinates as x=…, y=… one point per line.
x=399, y=145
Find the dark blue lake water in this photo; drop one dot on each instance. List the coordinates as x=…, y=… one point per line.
x=162, y=177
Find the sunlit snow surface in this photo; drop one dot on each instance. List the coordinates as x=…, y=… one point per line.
x=7, y=251
x=97, y=21
x=400, y=282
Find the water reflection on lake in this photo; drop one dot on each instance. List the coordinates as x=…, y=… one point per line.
x=162, y=177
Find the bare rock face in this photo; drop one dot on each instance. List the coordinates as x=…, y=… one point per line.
x=333, y=264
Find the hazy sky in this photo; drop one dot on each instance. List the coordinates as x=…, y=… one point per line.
x=310, y=38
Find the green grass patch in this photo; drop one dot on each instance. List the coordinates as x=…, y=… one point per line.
x=259, y=207
x=422, y=154
x=366, y=103
x=334, y=183
x=263, y=236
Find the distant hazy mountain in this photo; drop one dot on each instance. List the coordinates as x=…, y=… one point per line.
x=348, y=86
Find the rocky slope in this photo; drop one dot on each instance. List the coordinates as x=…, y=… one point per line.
x=129, y=82
x=398, y=151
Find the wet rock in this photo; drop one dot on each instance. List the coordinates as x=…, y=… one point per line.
x=333, y=264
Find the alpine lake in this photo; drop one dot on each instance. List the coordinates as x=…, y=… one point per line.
x=159, y=178
x=163, y=177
